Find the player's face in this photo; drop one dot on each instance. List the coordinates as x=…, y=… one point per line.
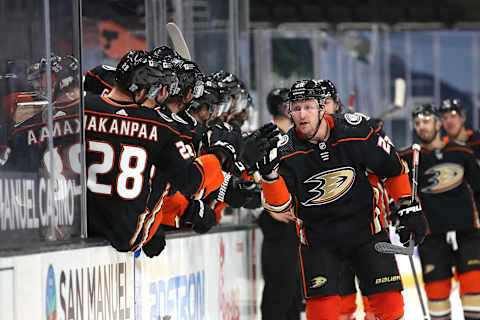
x=306, y=116
x=426, y=127
x=330, y=106
x=453, y=122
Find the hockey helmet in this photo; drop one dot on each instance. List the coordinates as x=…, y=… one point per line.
x=425, y=110
x=450, y=105
x=277, y=101
x=306, y=90
x=137, y=70
x=190, y=77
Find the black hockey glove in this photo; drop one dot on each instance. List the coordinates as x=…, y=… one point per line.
x=269, y=163
x=238, y=192
x=156, y=245
x=257, y=144
x=200, y=216
x=408, y=219
x=221, y=139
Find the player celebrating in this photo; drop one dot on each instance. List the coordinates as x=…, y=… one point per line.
x=319, y=171
x=454, y=239
x=453, y=119
x=281, y=297
x=124, y=142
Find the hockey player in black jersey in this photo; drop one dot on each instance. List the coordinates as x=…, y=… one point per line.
x=32, y=158
x=319, y=173
x=445, y=168
x=124, y=141
x=452, y=115
x=99, y=80
x=281, y=296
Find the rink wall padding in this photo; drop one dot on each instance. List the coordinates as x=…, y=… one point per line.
x=213, y=276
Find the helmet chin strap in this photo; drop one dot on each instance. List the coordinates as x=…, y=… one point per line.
x=318, y=125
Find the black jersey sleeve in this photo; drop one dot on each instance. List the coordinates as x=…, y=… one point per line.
x=472, y=174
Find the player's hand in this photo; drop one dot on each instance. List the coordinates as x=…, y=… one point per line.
x=200, y=216
x=269, y=163
x=257, y=144
x=240, y=191
x=285, y=217
x=409, y=219
x=223, y=141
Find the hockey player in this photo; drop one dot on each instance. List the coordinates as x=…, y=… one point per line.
x=123, y=143
x=333, y=105
x=281, y=297
x=31, y=155
x=453, y=239
x=453, y=119
x=319, y=172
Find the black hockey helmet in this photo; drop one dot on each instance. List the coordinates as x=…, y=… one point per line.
x=211, y=93
x=66, y=75
x=424, y=110
x=308, y=89
x=36, y=72
x=164, y=51
x=329, y=89
x=449, y=105
x=137, y=70
x=189, y=77
x=228, y=82
x=168, y=77
x=277, y=101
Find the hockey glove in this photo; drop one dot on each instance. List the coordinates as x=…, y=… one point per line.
x=269, y=163
x=221, y=139
x=257, y=144
x=408, y=219
x=156, y=245
x=200, y=216
x=238, y=192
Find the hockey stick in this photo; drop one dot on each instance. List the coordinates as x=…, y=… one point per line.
x=415, y=161
x=399, y=99
x=178, y=41
x=386, y=247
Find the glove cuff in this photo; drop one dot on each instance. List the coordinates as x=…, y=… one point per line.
x=223, y=188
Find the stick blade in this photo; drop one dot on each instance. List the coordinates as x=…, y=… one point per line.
x=178, y=41
x=400, y=91
x=388, y=248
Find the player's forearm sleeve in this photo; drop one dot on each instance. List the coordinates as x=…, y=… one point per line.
x=275, y=196
x=398, y=186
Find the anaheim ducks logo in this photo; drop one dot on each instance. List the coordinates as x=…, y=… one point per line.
x=446, y=176
x=331, y=185
x=317, y=282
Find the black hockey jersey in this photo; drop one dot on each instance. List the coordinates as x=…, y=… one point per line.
x=442, y=188
x=99, y=80
x=30, y=164
x=328, y=181
x=123, y=144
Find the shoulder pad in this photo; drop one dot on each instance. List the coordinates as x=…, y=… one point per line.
x=163, y=115
x=108, y=68
x=178, y=119
x=355, y=118
x=350, y=125
x=285, y=144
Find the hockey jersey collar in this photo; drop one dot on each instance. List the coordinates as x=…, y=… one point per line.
x=120, y=104
x=327, y=117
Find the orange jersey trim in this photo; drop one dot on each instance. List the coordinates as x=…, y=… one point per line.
x=99, y=79
x=211, y=171
x=276, y=195
x=399, y=186
x=354, y=139
x=173, y=206
x=459, y=149
x=296, y=152
x=109, y=101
